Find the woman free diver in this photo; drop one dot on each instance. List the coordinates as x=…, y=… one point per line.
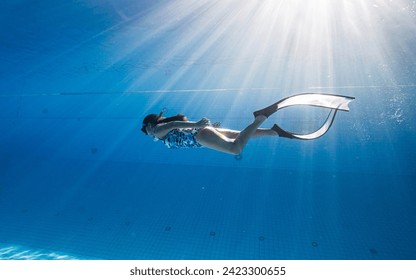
x=178, y=132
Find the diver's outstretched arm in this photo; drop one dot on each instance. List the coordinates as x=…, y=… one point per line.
x=164, y=128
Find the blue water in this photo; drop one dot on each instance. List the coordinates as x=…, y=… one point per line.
x=79, y=180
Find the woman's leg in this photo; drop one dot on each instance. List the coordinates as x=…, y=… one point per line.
x=214, y=139
x=233, y=134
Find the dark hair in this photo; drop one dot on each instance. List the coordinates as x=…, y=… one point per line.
x=158, y=119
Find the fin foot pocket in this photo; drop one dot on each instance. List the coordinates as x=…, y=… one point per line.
x=268, y=111
x=281, y=132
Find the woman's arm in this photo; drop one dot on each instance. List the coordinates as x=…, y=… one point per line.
x=164, y=128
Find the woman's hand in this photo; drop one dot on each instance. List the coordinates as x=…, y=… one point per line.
x=203, y=122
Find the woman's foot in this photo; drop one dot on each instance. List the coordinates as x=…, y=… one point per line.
x=260, y=119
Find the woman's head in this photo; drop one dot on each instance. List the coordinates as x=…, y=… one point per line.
x=154, y=120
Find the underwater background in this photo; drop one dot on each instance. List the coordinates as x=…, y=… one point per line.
x=79, y=180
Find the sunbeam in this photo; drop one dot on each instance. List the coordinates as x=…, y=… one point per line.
x=292, y=45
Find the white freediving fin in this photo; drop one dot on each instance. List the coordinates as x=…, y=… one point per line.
x=314, y=135
x=330, y=101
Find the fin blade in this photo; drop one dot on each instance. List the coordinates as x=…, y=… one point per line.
x=314, y=135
